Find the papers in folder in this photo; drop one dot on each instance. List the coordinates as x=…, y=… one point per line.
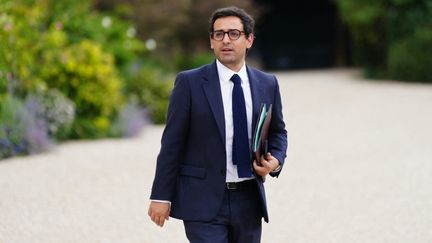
x=260, y=135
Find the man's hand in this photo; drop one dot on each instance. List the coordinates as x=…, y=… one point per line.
x=159, y=212
x=268, y=165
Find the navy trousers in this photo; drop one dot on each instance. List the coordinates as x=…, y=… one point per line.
x=238, y=220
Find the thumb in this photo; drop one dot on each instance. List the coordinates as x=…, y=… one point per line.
x=268, y=157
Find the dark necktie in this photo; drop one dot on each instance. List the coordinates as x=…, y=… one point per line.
x=241, y=154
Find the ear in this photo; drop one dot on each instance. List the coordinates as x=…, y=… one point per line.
x=211, y=44
x=250, y=40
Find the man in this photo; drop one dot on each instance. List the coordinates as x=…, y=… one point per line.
x=204, y=174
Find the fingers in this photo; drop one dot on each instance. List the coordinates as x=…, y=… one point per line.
x=272, y=162
x=256, y=166
x=159, y=220
x=260, y=170
x=159, y=212
x=268, y=164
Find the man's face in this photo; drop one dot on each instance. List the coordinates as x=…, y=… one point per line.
x=229, y=52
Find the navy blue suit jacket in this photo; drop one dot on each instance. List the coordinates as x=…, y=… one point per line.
x=191, y=165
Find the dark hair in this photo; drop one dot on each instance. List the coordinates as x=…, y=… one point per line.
x=247, y=20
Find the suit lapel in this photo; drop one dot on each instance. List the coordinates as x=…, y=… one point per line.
x=257, y=94
x=212, y=90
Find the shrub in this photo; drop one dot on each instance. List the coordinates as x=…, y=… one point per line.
x=391, y=37
x=150, y=88
x=80, y=21
x=36, y=137
x=95, y=127
x=52, y=111
x=12, y=127
x=19, y=38
x=129, y=122
x=25, y=128
x=67, y=46
x=88, y=77
x=411, y=59
x=169, y=22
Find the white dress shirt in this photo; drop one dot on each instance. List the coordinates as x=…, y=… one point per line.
x=227, y=86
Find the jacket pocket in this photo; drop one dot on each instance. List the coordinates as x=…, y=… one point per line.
x=193, y=171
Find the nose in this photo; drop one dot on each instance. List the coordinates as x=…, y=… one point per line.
x=226, y=38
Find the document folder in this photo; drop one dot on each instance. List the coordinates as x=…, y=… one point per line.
x=260, y=135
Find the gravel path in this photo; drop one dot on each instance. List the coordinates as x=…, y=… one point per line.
x=358, y=170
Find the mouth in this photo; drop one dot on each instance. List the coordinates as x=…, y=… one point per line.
x=227, y=50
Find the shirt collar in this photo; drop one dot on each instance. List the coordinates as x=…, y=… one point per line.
x=225, y=73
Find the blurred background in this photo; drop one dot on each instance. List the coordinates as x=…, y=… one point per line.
x=80, y=69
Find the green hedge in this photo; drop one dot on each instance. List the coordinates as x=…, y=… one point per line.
x=392, y=38
x=411, y=58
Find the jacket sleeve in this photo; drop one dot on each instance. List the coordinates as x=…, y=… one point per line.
x=173, y=141
x=278, y=140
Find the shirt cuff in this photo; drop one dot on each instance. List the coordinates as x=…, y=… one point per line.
x=277, y=169
x=161, y=201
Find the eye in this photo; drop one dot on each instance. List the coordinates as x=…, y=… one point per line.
x=234, y=34
x=218, y=34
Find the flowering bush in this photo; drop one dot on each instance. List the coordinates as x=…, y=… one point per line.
x=52, y=111
x=130, y=121
x=63, y=65
x=12, y=127
x=19, y=36
x=89, y=78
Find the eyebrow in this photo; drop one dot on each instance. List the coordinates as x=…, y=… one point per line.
x=227, y=30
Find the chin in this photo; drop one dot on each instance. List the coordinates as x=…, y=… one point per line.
x=227, y=60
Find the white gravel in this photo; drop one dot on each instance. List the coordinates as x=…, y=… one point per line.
x=359, y=169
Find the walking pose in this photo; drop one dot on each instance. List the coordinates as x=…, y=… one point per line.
x=205, y=173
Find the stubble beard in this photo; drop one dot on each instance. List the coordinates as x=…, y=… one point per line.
x=229, y=60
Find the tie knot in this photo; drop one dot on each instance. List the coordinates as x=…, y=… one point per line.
x=236, y=79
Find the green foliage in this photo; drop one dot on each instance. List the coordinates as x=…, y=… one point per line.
x=391, y=37
x=115, y=35
x=12, y=126
x=28, y=128
x=411, y=59
x=19, y=38
x=155, y=95
x=53, y=111
x=88, y=76
x=97, y=127
x=184, y=62
x=179, y=27
x=70, y=47
x=74, y=67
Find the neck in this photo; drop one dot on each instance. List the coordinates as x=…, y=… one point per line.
x=234, y=67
